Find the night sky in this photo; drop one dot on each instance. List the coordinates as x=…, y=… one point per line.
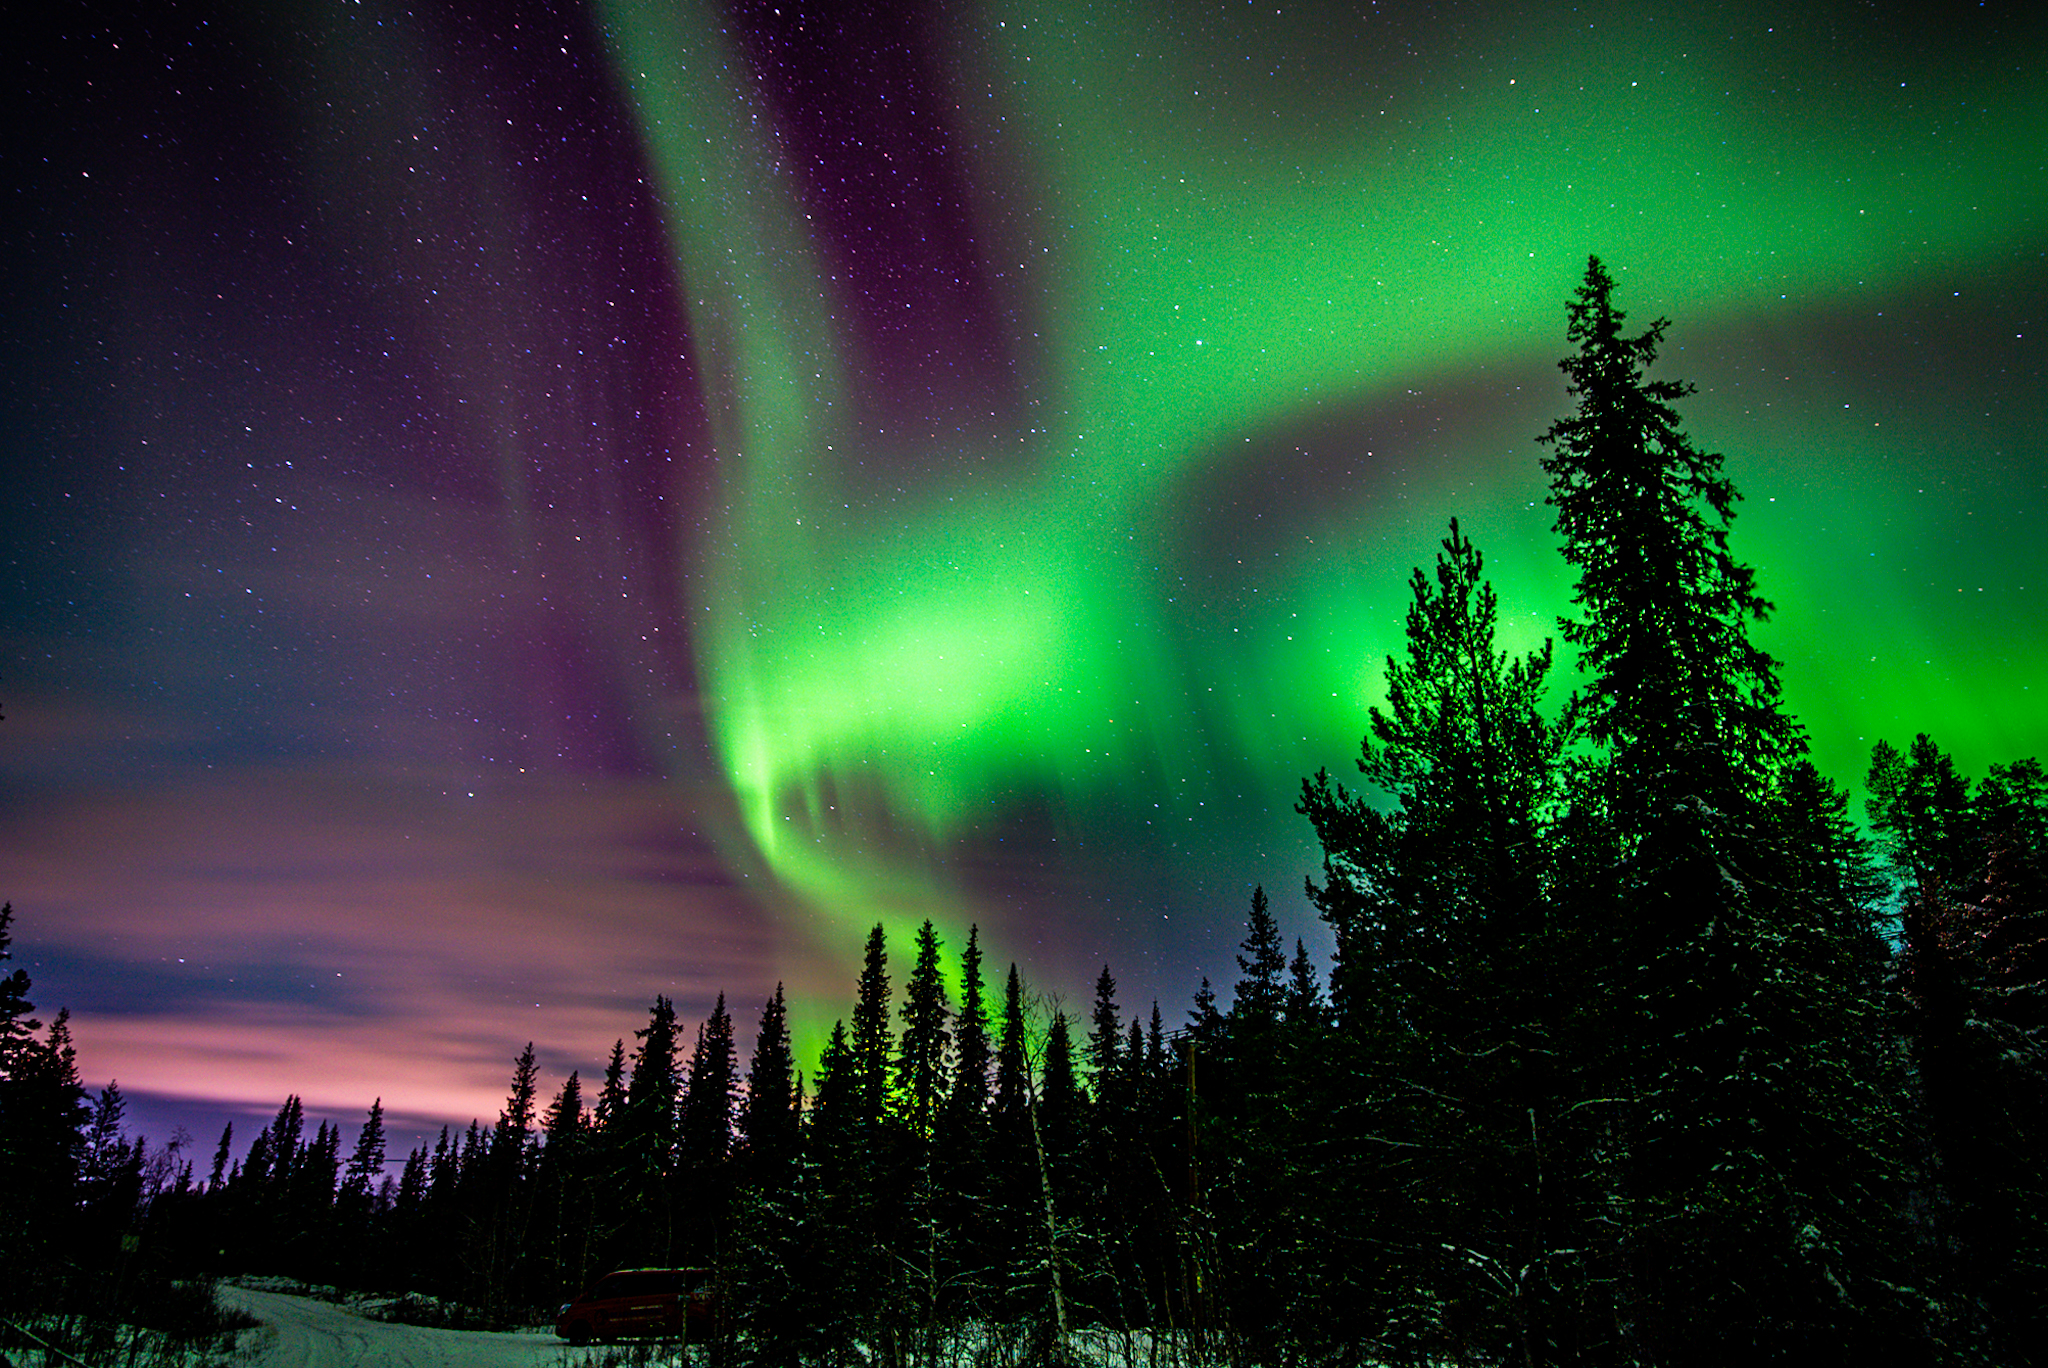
x=511, y=510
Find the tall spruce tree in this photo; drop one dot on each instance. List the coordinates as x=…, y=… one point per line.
x=768, y=1113
x=767, y=1257
x=655, y=1087
x=925, y=1247
x=1304, y=1006
x=1013, y=1069
x=1061, y=1106
x=921, y=1063
x=110, y=1178
x=1105, y=1036
x=972, y=1052
x=710, y=1101
x=611, y=1096
x=870, y=1040
x=841, y=1278
x=1205, y=1023
x=833, y=1118
x=1749, y=1148
x=1681, y=698
x=962, y=1149
x=359, y=1222
x=287, y=1146
x=564, y=1120
x=562, y=1199
x=1260, y=994
x=711, y=1090
x=502, y=1193
x=221, y=1155
x=1015, y=1203
x=512, y=1136
x=365, y=1163
x=641, y=1141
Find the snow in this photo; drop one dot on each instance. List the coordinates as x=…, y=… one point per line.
x=298, y=1332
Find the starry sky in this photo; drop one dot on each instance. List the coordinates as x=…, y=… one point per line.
x=515, y=508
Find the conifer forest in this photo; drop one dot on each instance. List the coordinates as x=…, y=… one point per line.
x=1638, y=1047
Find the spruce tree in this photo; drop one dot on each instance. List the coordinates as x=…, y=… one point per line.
x=835, y=1117
x=1444, y=982
x=925, y=1247
x=654, y=1090
x=365, y=1162
x=972, y=1053
x=767, y=1256
x=221, y=1154
x=641, y=1143
x=711, y=1091
x=1681, y=698
x=412, y=1188
x=709, y=1102
x=561, y=1202
x=564, y=1120
x=359, y=1224
x=768, y=1112
x=444, y=1169
x=306, y=1213
x=962, y=1151
x=1013, y=1074
x=604, y=1161
x=1304, y=1006
x=1748, y=1148
x=838, y=1281
x=921, y=1064
x=1260, y=994
x=109, y=1173
x=1059, y=1088
x=1014, y=1205
x=870, y=1041
x=500, y=1190
x=611, y=1097
x=1061, y=1105
x=287, y=1149
x=1205, y=1023
x=1105, y=1032
x=512, y=1136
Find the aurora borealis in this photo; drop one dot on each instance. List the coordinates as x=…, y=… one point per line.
x=519, y=509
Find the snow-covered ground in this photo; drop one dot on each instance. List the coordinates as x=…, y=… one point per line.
x=298, y=1332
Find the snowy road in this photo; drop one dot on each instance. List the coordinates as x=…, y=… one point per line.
x=301, y=1333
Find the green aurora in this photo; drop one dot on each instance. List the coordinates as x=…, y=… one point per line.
x=1231, y=254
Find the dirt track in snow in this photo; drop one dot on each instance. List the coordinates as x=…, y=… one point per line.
x=298, y=1332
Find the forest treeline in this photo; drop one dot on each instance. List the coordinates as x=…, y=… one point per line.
x=1634, y=1050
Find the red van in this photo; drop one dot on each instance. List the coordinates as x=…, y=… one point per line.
x=655, y=1303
